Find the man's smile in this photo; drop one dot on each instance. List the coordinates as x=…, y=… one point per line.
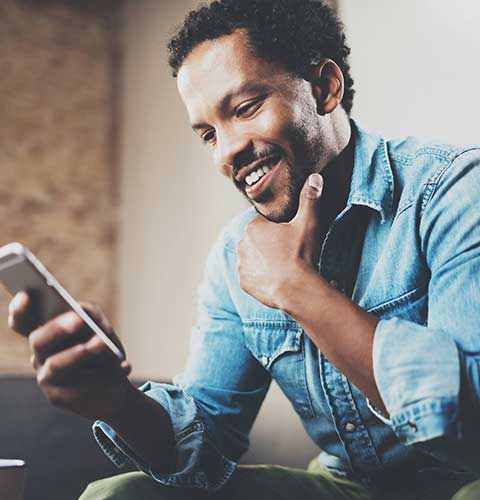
x=259, y=181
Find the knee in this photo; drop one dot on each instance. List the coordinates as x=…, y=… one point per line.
x=113, y=488
x=100, y=490
x=96, y=491
x=469, y=492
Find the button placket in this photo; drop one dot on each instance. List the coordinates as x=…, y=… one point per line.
x=344, y=410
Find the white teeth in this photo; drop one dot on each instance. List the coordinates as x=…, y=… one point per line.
x=254, y=176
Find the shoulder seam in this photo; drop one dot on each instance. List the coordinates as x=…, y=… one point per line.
x=433, y=182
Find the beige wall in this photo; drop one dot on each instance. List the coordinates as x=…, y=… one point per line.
x=415, y=66
x=57, y=171
x=174, y=204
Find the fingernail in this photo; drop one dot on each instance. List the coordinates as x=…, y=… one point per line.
x=316, y=181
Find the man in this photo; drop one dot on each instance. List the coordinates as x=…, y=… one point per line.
x=353, y=289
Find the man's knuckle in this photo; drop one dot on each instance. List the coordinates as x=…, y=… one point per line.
x=33, y=340
x=33, y=361
x=52, y=366
x=41, y=377
x=49, y=369
x=311, y=194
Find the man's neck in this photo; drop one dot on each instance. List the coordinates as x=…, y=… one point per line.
x=337, y=176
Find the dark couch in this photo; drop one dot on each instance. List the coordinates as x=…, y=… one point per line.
x=61, y=454
x=63, y=458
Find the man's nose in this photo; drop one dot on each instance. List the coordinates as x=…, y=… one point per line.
x=232, y=148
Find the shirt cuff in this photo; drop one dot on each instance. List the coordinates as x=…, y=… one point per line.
x=199, y=463
x=378, y=413
x=418, y=373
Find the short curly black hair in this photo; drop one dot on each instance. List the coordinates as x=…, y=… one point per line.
x=295, y=33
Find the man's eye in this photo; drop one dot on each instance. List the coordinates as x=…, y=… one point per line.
x=248, y=109
x=208, y=137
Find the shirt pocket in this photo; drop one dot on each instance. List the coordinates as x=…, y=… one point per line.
x=279, y=348
x=411, y=306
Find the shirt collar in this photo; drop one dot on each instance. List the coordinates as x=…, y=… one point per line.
x=372, y=177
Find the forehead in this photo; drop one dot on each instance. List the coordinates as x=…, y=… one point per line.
x=216, y=67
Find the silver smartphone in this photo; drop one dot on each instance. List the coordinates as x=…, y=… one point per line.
x=21, y=270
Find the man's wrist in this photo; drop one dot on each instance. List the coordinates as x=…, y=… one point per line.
x=145, y=426
x=121, y=415
x=301, y=278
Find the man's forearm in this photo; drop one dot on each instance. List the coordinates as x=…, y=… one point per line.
x=338, y=327
x=146, y=428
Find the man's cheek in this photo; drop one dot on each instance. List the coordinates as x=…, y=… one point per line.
x=272, y=126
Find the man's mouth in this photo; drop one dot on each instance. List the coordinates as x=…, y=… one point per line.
x=256, y=175
x=258, y=180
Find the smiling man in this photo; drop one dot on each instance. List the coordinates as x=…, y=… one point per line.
x=261, y=122
x=352, y=282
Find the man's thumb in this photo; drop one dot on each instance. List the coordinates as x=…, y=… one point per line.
x=313, y=187
x=309, y=196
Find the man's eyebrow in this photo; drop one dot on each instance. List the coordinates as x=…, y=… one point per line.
x=244, y=88
x=247, y=87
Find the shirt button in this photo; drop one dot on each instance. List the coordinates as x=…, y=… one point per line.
x=349, y=427
x=264, y=360
x=334, y=283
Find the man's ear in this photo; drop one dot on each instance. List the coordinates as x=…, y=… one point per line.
x=328, y=86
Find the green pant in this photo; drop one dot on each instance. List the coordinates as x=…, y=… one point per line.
x=269, y=482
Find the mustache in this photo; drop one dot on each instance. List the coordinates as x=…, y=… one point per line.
x=245, y=158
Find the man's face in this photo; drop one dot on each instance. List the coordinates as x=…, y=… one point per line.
x=260, y=122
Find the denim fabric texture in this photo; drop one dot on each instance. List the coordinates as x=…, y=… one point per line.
x=406, y=248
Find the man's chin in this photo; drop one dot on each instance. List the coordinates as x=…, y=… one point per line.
x=275, y=213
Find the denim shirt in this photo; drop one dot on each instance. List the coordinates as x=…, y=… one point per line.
x=406, y=248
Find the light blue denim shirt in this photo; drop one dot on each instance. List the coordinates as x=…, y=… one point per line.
x=406, y=249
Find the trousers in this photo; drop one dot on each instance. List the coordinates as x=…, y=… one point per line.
x=273, y=482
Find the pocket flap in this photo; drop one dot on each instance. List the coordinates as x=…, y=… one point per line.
x=267, y=341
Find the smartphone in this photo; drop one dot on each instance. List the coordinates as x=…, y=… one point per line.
x=21, y=270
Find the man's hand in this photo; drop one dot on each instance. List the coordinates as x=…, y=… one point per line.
x=271, y=252
x=75, y=369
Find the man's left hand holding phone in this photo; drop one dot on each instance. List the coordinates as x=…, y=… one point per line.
x=76, y=369
x=80, y=362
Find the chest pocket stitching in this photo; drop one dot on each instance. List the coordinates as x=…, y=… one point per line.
x=260, y=349
x=411, y=295
x=292, y=343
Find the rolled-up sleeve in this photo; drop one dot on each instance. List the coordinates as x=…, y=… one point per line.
x=213, y=403
x=428, y=375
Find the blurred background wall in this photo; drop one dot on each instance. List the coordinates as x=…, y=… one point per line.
x=415, y=66
x=126, y=217
x=58, y=172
